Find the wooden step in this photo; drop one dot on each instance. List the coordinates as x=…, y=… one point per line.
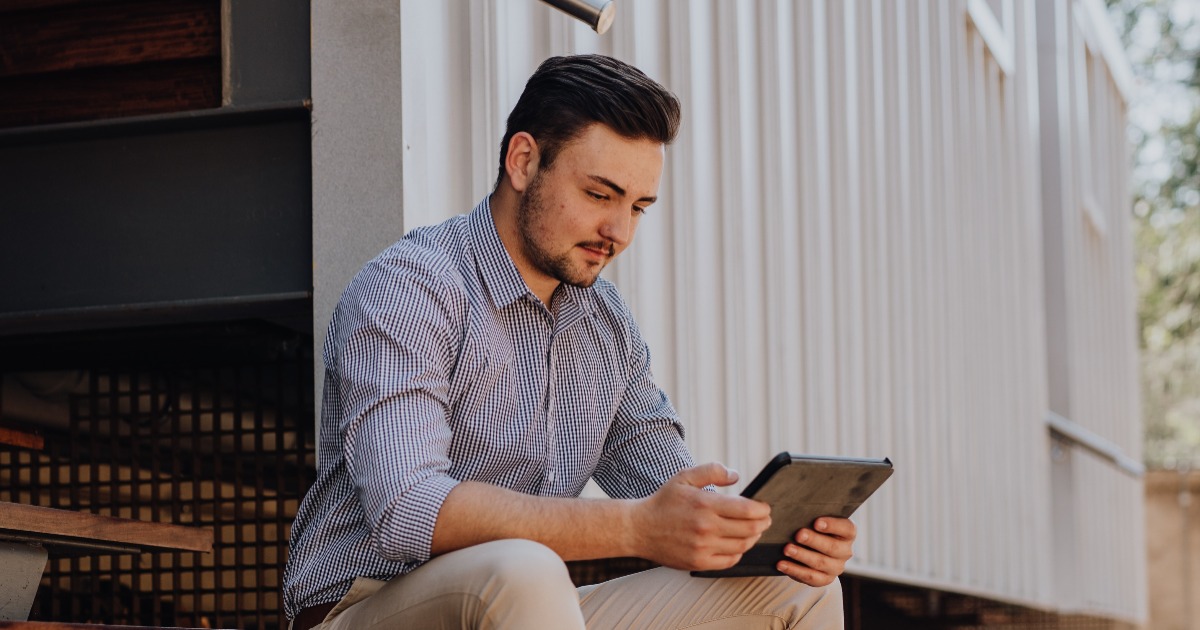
x=51, y=625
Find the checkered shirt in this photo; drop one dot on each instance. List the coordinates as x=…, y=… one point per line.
x=442, y=366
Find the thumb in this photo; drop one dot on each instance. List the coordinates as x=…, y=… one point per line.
x=711, y=473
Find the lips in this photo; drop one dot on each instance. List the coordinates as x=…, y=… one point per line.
x=599, y=253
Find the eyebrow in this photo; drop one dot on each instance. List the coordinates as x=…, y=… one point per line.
x=613, y=185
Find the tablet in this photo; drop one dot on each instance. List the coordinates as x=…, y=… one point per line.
x=800, y=489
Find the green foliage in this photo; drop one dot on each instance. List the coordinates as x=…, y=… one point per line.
x=1162, y=38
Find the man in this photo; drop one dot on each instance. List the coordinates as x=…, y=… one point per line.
x=479, y=372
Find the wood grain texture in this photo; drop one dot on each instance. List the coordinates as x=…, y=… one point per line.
x=28, y=521
x=9, y=6
x=78, y=61
x=51, y=625
x=54, y=40
x=21, y=439
x=98, y=93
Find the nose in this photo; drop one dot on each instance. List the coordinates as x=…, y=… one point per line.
x=618, y=227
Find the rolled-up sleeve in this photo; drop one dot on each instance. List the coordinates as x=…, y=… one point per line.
x=399, y=337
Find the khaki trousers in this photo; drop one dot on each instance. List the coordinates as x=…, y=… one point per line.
x=523, y=585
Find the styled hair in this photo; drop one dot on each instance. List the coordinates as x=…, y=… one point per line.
x=567, y=94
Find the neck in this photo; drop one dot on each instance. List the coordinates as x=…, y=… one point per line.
x=505, y=204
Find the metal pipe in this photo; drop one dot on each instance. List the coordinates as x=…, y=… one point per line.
x=597, y=14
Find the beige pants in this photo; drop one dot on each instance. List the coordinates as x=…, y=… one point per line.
x=523, y=585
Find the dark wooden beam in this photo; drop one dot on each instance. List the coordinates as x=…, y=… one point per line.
x=97, y=60
x=128, y=33
x=110, y=92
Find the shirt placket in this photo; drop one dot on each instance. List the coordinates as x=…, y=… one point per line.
x=544, y=417
x=550, y=412
x=568, y=315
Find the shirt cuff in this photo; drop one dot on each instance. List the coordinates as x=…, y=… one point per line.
x=407, y=530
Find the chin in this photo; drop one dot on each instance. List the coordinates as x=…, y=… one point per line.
x=583, y=281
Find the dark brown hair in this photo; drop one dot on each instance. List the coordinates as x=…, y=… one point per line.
x=567, y=94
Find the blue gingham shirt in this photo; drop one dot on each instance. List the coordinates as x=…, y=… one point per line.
x=442, y=366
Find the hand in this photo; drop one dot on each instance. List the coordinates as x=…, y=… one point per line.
x=684, y=527
x=819, y=557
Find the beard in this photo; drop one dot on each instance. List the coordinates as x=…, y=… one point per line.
x=532, y=212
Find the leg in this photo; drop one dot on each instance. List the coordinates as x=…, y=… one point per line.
x=502, y=584
x=668, y=599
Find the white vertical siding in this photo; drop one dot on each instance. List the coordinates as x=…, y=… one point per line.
x=1096, y=378
x=847, y=256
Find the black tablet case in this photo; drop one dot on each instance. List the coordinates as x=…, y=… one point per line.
x=799, y=489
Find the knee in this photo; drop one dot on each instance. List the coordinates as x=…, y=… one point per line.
x=523, y=565
x=821, y=604
x=828, y=594
x=834, y=591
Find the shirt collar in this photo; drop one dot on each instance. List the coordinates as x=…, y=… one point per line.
x=501, y=279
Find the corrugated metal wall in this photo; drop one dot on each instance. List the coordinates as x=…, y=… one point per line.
x=1092, y=353
x=846, y=257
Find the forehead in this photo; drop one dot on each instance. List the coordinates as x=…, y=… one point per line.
x=634, y=164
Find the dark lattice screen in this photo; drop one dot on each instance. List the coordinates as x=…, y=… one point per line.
x=225, y=446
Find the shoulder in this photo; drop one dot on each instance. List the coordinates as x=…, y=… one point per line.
x=432, y=253
x=423, y=268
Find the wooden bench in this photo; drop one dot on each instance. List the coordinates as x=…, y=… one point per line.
x=51, y=625
x=28, y=534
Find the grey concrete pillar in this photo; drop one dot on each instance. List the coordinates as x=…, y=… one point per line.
x=357, y=149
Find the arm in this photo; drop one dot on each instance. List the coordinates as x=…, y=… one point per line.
x=646, y=438
x=391, y=346
x=680, y=526
x=397, y=338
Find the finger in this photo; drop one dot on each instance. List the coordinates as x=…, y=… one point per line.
x=835, y=526
x=814, y=560
x=730, y=546
x=704, y=526
x=739, y=507
x=717, y=562
x=713, y=474
x=804, y=574
x=828, y=545
x=742, y=529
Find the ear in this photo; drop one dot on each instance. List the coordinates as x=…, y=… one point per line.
x=522, y=160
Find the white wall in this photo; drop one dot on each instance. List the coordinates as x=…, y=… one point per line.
x=1090, y=302
x=848, y=257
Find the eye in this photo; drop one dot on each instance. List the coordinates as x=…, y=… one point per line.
x=640, y=209
x=595, y=195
